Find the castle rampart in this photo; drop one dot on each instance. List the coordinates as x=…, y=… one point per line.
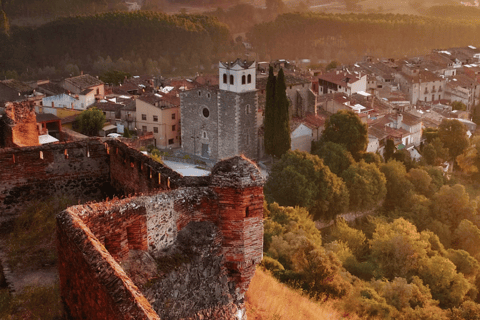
x=181, y=248
x=212, y=234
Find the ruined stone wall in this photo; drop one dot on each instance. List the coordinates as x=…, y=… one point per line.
x=133, y=172
x=92, y=284
x=203, y=242
x=77, y=169
x=22, y=125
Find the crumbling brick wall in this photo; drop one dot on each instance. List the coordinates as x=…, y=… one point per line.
x=133, y=172
x=76, y=169
x=93, y=285
x=213, y=232
x=20, y=125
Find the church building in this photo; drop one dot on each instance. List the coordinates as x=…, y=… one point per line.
x=221, y=121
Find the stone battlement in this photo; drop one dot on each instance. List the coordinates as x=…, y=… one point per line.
x=179, y=248
x=213, y=230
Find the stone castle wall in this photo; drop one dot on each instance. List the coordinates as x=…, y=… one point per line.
x=76, y=169
x=210, y=228
x=214, y=234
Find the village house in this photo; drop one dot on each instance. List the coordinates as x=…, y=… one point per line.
x=403, y=128
x=85, y=85
x=304, y=131
x=462, y=88
x=159, y=114
x=342, y=82
x=13, y=90
x=420, y=85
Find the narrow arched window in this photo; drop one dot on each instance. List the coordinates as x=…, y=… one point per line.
x=243, y=79
x=224, y=78
x=249, y=78
x=231, y=79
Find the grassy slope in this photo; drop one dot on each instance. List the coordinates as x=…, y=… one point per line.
x=267, y=299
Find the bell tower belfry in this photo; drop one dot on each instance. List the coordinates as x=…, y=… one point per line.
x=237, y=76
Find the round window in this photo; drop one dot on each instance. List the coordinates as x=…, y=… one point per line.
x=206, y=112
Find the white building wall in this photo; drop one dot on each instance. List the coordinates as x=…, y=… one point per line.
x=301, y=138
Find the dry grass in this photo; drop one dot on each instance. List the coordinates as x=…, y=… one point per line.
x=267, y=299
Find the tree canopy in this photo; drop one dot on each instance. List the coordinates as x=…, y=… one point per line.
x=91, y=121
x=366, y=185
x=277, y=121
x=453, y=134
x=315, y=186
x=346, y=128
x=334, y=155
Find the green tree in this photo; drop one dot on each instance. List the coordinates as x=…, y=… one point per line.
x=277, y=127
x=346, y=128
x=451, y=205
x=446, y=285
x=320, y=270
x=398, y=186
x=302, y=179
x=398, y=249
x=429, y=134
x=355, y=239
x=332, y=65
x=269, y=121
x=458, y=105
x=334, y=155
x=469, y=160
x=114, y=77
x=91, y=121
x=389, y=150
x=429, y=154
x=366, y=185
x=476, y=114
x=467, y=237
x=282, y=119
x=421, y=181
x=453, y=134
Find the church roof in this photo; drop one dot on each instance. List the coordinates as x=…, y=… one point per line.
x=241, y=63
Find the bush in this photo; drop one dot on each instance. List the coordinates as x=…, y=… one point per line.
x=271, y=264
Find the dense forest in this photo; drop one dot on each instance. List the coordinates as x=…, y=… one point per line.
x=412, y=254
x=168, y=41
x=347, y=37
x=154, y=42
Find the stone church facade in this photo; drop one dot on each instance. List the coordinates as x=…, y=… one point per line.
x=221, y=121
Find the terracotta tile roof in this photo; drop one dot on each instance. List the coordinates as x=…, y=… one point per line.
x=161, y=101
x=109, y=106
x=51, y=88
x=339, y=77
x=211, y=80
x=84, y=81
x=17, y=85
x=290, y=80
x=410, y=119
x=45, y=117
x=423, y=76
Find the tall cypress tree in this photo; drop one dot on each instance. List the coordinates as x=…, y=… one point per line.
x=270, y=114
x=282, y=119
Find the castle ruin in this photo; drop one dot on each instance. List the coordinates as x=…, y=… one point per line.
x=181, y=248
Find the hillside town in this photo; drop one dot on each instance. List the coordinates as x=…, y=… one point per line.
x=211, y=117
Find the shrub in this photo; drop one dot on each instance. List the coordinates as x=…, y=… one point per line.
x=271, y=264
